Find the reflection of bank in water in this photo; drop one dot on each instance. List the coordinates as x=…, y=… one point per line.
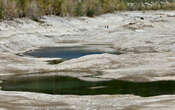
x=1, y=83
x=65, y=85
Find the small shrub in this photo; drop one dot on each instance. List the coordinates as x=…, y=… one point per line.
x=1, y=11
x=109, y=5
x=90, y=12
x=140, y=6
x=57, y=4
x=22, y=5
x=78, y=9
x=156, y=6
x=122, y=5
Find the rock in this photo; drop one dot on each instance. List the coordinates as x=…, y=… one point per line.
x=33, y=101
x=147, y=47
x=135, y=46
x=142, y=18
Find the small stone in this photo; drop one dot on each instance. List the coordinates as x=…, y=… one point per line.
x=142, y=18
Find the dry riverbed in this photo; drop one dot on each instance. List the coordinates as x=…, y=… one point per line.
x=145, y=41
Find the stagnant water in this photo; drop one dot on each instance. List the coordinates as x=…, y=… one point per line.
x=63, y=52
x=74, y=86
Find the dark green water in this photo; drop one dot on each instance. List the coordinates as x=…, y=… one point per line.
x=74, y=86
x=63, y=52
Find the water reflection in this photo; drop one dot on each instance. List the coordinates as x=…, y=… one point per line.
x=63, y=52
x=74, y=86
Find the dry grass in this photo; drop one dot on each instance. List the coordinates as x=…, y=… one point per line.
x=34, y=8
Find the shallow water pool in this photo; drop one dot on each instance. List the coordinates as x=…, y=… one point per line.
x=64, y=52
x=65, y=85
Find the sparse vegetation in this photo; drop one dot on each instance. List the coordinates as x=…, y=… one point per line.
x=34, y=8
x=1, y=14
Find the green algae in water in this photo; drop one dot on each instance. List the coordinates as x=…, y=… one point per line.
x=65, y=85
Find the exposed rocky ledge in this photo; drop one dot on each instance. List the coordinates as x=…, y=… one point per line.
x=33, y=101
x=147, y=48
